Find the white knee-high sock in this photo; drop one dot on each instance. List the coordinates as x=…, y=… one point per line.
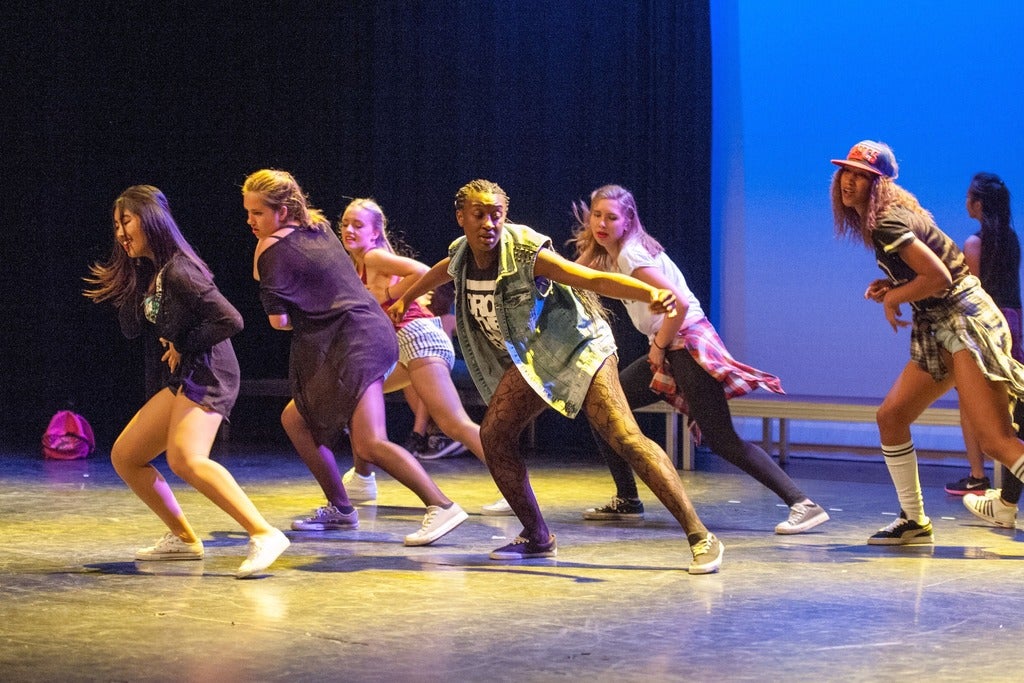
x=1017, y=468
x=902, y=463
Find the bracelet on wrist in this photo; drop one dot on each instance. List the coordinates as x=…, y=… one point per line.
x=654, y=342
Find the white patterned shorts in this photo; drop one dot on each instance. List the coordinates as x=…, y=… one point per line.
x=424, y=338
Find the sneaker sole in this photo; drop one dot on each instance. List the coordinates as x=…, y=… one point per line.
x=613, y=516
x=496, y=513
x=1002, y=525
x=915, y=540
x=495, y=555
x=170, y=557
x=324, y=527
x=964, y=492
x=441, y=531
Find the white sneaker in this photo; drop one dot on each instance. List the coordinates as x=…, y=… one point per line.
x=499, y=508
x=359, y=488
x=436, y=523
x=170, y=547
x=991, y=508
x=263, y=550
x=802, y=517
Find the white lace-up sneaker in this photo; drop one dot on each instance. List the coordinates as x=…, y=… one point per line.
x=170, y=547
x=498, y=508
x=263, y=550
x=359, y=488
x=436, y=523
x=991, y=508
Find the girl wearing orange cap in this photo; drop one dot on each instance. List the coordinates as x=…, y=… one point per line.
x=958, y=336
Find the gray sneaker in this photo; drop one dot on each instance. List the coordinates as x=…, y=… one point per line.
x=802, y=517
x=328, y=518
x=707, y=555
x=622, y=509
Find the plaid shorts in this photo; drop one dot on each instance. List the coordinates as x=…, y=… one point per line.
x=424, y=338
x=967, y=319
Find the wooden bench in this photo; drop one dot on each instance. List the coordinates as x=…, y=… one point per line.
x=786, y=407
x=678, y=440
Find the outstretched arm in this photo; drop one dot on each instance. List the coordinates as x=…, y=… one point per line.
x=552, y=266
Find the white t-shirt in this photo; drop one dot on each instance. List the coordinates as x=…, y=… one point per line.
x=635, y=256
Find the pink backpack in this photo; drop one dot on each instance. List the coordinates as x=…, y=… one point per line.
x=68, y=437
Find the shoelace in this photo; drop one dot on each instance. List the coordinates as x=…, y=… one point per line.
x=798, y=512
x=168, y=542
x=702, y=547
x=428, y=518
x=900, y=521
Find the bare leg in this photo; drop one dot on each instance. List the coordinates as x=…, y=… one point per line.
x=511, y=409
x=319, y=459
x=142, y=440
x=608, y=412
x=190, y=438
x=432, y=382
x=912, y=392
x=369, y=438
x=988, y=411
x=420, y=412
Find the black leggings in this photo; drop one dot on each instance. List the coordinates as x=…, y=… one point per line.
x=1011, y=484
x=710, y=410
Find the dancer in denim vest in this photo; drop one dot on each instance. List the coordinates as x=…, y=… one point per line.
x=687, y=364
x=154, y=276
x=958, y=336
x=343, y=346
x=531, y=342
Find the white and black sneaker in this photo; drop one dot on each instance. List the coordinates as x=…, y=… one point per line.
x=903, y=532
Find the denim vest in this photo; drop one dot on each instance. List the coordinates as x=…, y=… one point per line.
x=554, y=343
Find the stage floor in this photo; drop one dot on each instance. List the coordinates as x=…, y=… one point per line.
x=615, y=605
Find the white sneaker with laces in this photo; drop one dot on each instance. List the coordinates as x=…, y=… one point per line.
x=991, y=508
x=263, y=550
x=170, y=547
x=499, y=508
x=359, y=488
x=436, y=523
x=802, y=517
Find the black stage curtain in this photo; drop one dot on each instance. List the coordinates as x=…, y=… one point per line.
x=402, y=101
